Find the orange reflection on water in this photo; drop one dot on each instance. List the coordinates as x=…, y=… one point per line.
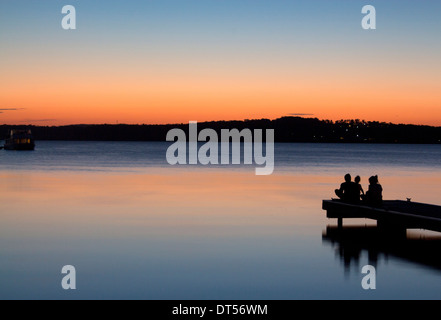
x=214, y=202
x=78, y=203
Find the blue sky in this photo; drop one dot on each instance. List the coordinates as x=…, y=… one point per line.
x=256, y=38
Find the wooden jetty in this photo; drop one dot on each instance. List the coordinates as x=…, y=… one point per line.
x=393, y=214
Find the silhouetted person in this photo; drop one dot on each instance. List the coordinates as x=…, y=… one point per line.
x=360, y=188
x=374, y=195
x=348, y=191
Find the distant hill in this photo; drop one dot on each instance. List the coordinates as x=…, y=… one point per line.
x=287, y=129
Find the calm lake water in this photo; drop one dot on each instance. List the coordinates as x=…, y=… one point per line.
x=135, y=227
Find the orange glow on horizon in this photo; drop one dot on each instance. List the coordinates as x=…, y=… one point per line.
x=132, y=97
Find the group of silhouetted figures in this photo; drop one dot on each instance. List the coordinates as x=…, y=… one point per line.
x=352, y=191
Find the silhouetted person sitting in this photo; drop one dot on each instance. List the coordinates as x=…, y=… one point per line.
x=374, y=195
x=349, y=191
x=360, y=188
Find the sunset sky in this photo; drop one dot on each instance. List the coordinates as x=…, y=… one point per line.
x=169, y=61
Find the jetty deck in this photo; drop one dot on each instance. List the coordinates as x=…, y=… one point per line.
x=393, y=214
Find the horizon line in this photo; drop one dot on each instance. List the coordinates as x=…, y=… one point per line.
x=208, y=121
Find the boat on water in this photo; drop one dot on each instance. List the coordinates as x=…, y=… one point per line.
x=20, y=140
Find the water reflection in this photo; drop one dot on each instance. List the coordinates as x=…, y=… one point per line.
x=135, y=229
x=352, y=242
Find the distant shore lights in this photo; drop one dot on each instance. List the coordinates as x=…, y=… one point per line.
x=208, y=153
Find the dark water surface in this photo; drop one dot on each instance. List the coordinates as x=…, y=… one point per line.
x=135, y=227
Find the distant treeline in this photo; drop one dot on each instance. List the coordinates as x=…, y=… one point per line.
x=287, y=129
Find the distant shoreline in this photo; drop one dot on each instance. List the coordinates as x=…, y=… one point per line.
x=287, y=129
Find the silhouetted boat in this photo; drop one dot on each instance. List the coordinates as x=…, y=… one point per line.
x=20, y=140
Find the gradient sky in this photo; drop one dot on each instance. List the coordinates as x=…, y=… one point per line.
x=168, y=61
